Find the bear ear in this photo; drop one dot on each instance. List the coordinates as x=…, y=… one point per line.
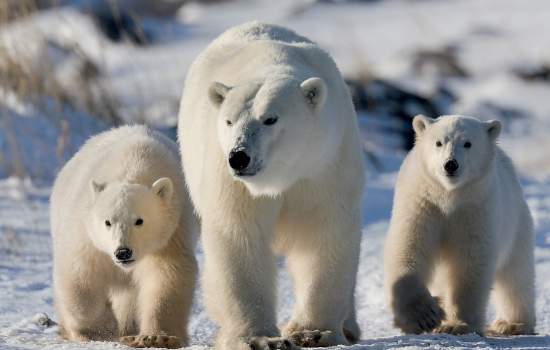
x=217, y=92
x=493, y=129
x=315, y=92
x=163, y=188
x=420, y=123
x=97, y=187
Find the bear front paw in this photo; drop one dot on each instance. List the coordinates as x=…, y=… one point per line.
x=267, y=343
x=501, y=328
x=152, y=341
x=316, y=339
x=455, y=328
x=419, y=315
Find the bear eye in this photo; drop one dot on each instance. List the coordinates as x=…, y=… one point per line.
x=438, y=144
x=228, y=122
x=139, y=222
x=107, y=223
x=270, y=121
x=467, y=144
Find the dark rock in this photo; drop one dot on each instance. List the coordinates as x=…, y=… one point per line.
x=506, y=114
x=534, y=73
x=379, y=98
x=44, y=320
x=443, y=61
x=120, y=26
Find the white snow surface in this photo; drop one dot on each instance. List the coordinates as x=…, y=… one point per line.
x=495, y=37
x=26, y=287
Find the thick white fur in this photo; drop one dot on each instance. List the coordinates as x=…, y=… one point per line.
x=304, y=202
x=459, y=237
x=114, y=177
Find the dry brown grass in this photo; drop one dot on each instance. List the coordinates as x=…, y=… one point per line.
x=32, y=80
x=26, y=82
x=16, y=9
x=38, y=85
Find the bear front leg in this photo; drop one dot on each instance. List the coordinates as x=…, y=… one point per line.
x=351, y=327
x=165, y=283
x=239, y=275
x=515, y=289
x=323, y=264
x=471, y=269
x=84, y=311
x=412, y=243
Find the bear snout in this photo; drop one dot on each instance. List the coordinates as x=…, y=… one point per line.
x=238, y=160
x=123, y=255
x=451, y=166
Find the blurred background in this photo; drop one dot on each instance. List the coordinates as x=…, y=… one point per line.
x=70, y=68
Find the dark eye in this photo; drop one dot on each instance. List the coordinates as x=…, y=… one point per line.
x=438, y=144
x=228, y=122
x=139, y=222
x=467, y=144
x=107, y=223
x=270, y=121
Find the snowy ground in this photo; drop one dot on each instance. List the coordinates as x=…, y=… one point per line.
x=26, y=291
x=494, y=36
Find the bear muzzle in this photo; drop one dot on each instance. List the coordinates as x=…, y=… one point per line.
x=239, y=160
x=241, y=163
x=123, y=256
x=451, y=167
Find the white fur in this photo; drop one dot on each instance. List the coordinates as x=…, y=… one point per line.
x=303, y=201
x=122, y=175
x=458, y=237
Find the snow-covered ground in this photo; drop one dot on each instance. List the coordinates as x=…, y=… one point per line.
x=26, y=290
x=493, y=37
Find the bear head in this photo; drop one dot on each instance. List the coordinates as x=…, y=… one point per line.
x=127, y=221
x=455, y=150
x=267, y=130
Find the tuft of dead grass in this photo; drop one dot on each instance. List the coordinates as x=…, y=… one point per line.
x=33, y=79
x=39, y=85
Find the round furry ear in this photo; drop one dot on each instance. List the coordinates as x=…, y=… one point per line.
x=315, y=92
x=217, y=92
x=163, y=188
x=420, y=123
x=97, y=187
x=493, y=129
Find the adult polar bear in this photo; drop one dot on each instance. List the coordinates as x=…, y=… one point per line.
x=459, y=226
x=273, y=161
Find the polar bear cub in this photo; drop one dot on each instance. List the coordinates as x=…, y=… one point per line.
x=460, y=227
x=122, y=228
x=273, y=159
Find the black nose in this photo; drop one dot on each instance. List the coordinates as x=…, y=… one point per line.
x=451, y=166
x=239, y=160
x=123, y=254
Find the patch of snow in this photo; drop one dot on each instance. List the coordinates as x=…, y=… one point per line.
x=26, y=288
